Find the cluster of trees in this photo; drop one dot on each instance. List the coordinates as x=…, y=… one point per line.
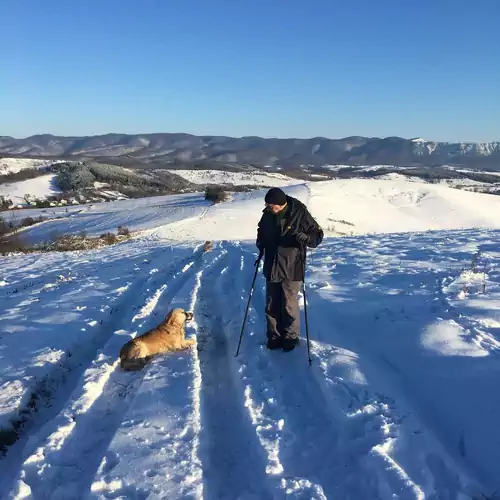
x=82, y=176
x=5, y=203
x=216, y=194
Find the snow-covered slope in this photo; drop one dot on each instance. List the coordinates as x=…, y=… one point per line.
x=345, y=207
x=380, y=206
x=14, y=165
x=423, y=147
x=235, y=178
x=398, y=403
x=39, y=187
x=144, y=214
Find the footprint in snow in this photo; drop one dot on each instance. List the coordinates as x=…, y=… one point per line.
x=320, y=285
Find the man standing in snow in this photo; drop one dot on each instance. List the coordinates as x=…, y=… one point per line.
x=284, y=230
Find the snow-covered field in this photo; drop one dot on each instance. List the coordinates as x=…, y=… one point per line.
x=235, y=178
x=343, y=207
x=380, y=206
x=405, y=338
x=146, y=215
x=39, y=187
x=14, y=165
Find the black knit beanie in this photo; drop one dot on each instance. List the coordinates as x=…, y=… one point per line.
x=275, y=196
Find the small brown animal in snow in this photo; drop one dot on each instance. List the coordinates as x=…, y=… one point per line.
x=166, y=337
x=207, y=246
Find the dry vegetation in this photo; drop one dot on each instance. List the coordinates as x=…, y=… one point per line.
x=216, y=194
x=11, y=240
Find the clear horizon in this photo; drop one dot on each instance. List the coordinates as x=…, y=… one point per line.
x=282, y=69
x=429, y=139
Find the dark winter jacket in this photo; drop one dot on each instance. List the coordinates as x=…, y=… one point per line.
x=276, y=236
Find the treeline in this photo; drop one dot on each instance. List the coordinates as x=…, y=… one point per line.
x=82, y=177
x=22, y=175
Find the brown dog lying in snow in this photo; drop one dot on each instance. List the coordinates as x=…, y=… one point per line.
x=166, y=337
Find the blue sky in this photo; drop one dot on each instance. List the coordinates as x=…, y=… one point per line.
x=274, y=68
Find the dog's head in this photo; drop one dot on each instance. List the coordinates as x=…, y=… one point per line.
x=178, y=316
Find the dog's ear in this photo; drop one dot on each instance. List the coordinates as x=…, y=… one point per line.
x=168, y=317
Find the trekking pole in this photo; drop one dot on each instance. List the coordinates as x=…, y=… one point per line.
x=257, y=262
x=305, y=309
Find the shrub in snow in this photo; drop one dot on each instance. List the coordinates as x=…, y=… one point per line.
x=11, y=242
x=61, y=243
x=28, y=221
x=109, y=238
x=39, y=203
x=3, y=226
x=5, y=203
x=216, y=194
x=29, y=199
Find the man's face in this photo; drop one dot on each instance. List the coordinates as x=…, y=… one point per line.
x=274, y=208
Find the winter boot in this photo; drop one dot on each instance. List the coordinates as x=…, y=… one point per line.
x=274, y=343
x=289, y=344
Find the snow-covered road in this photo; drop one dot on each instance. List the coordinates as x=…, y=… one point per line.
x=397, y=403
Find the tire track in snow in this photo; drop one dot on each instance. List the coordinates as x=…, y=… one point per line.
x=154, y=451
x=366, y=412
x=160, y=232
x=234, y=464
x=363, y=460
x=76, y=440
x=58, y=385
x=317, y=452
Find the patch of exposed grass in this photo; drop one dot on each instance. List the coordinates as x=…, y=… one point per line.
x=13, y=243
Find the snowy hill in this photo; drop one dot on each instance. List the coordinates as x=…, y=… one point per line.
x=15, y=165
x=398, y=402
x=86, y=182
x=343, y=207
x=38, y=187
x=95, y=182
x=221, y=177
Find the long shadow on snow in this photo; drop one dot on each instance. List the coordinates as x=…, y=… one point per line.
x=388, y=333
x=386, y=330
x=313, y=433
x=309, y=442
x=59, y=308
x=128, y=384
x=233, y=461
x=37, y=315
x=65, y=375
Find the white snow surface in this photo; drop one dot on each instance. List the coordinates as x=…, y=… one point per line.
x=14, y=165
x=38, y=187
x=342, y=207
x=399, y=401
x=235, y=178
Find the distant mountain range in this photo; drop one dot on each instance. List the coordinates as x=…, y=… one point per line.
x=287, y=153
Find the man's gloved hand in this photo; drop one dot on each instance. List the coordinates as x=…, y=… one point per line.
x=302, y=238
x=261, y=254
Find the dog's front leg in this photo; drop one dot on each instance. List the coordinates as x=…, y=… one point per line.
x=187, y=343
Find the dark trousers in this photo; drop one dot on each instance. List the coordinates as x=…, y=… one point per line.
x=282, y=309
